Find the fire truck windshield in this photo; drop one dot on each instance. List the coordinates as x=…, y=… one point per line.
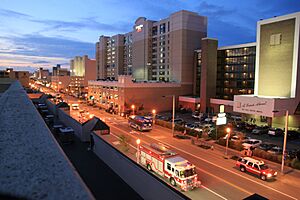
x=187, y=173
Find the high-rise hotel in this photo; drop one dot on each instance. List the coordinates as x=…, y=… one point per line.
x=159, y=54
x=154, y=50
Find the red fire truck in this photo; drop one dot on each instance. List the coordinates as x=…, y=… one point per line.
x=168, y=164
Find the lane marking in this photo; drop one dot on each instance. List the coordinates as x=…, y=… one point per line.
x=213, y=192
x=261, y=184
x=197, y=167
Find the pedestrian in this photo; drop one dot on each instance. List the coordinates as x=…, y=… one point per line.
x=184, y=132
x=92, y=142
x=197, y=135
x=212, y=147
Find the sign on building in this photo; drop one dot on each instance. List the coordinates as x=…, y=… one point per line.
x=253, y=105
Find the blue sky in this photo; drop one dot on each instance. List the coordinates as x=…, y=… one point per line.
x=35, y=33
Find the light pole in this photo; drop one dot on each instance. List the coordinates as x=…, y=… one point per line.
x=284, y=138
x=227, y=140
x=132, y=106
x=173, y=113
x=138, y=141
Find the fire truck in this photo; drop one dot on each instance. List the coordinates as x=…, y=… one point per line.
x=168, y=164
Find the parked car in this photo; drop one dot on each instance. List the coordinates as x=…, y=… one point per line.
x=250, y=127
x=239, y=138
x=266, y=146
x=251, y=143
x=275, y=132
x=275, y=150
x=191, y=126
x=292, y=135
x=179, y=121
x=292, y=153
x=257, y=167
x=197, y=115
x=260, y=130
x=240, y=125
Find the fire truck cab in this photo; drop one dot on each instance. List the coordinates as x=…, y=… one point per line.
x=170, y=165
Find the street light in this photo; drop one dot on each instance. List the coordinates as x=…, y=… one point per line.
x=138, y=141
x=132, y=106
x=285, y=136
x=153, y=114
x=227, y=139
x=173, y=114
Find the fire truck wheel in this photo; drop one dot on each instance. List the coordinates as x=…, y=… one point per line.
x=172, y=181
x=149, y=167
x=242, y=169
x=263, y=177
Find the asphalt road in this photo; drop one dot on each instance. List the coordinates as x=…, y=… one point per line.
x=220, y=179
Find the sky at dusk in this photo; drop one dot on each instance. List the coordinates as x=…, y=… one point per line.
x=35, y=33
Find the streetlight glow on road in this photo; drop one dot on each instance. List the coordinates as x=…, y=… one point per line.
x=133, y=106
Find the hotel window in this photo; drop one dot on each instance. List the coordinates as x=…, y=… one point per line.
x=162, y=28
x=162, y=60
x=275, y=39
x=154, y=30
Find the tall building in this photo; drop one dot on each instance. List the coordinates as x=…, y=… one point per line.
x=277, y=73
x=154, y=50
x=236, y=70
x=82, y=69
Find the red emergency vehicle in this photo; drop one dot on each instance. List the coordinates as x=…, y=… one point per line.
x=257, y=167
x=168, y=164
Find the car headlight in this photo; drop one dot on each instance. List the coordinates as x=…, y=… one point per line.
x=269, y=175
x=275, y=173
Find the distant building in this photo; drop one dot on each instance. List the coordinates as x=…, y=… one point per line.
x=82, y=70
x=60, y=83
x=42, y=75
x=58, y=71
x=22, y=76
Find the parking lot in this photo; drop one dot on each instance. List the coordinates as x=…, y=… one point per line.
x=249, y=131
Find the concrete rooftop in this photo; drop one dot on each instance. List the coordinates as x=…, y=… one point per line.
x=32, y=165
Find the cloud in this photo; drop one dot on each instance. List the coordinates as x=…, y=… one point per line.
x=40, y=51
x=41, y=62
x=13, y=14
x=39, y=45
x=213, y=11
x=86, y=23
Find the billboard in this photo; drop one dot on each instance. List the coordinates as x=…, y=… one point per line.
x=254, y=105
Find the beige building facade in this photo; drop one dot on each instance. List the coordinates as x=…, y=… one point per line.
x=154, y=50
x=82, y=70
